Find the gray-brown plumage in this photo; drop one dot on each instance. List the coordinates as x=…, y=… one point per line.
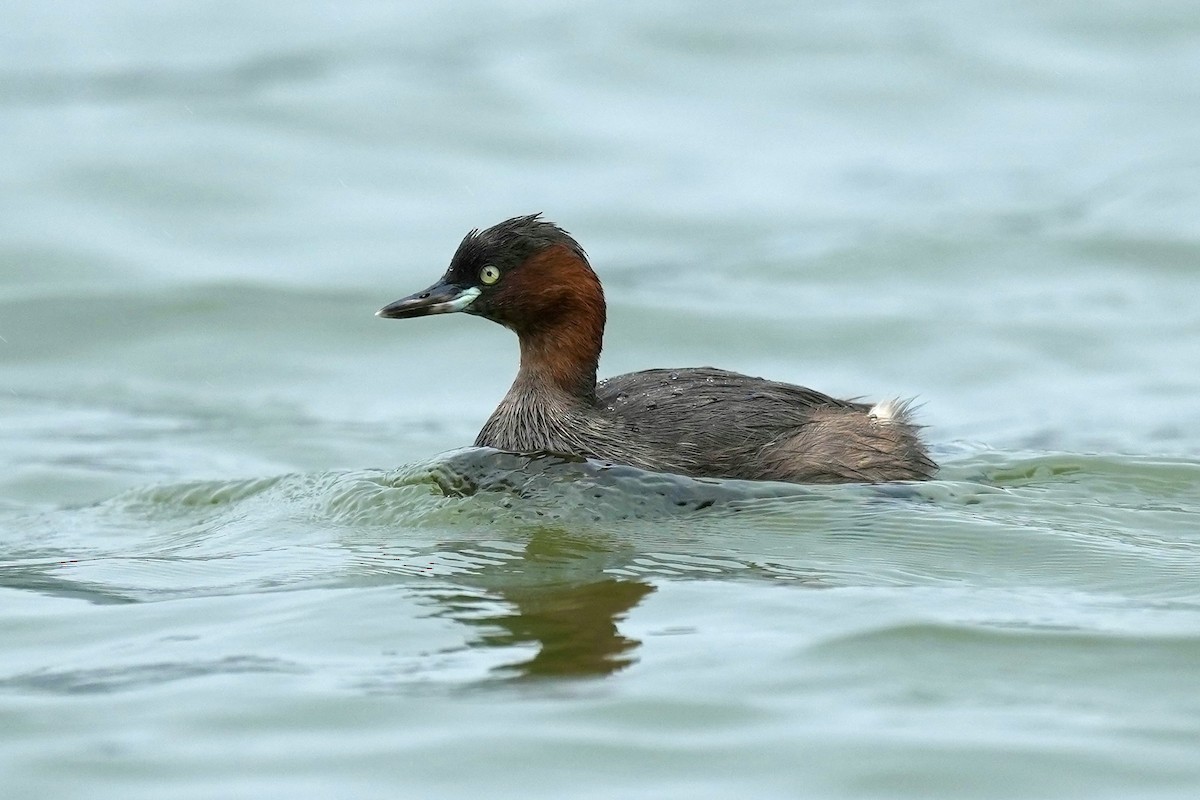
x=532, y=277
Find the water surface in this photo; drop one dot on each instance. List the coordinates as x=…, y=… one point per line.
x=242, y=553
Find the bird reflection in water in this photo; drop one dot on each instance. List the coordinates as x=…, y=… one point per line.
x=560, y=599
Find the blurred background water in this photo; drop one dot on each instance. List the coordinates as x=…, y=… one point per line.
x=234, y=564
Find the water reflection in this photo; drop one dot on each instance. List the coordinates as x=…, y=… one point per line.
x=574, y=627
x=541, y=557
x=568, y=587
x=558, y=597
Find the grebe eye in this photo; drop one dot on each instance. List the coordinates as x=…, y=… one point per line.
x=489, y=275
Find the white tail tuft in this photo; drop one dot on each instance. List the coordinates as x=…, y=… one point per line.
x=889, y=411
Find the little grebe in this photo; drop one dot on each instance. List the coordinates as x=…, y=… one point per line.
x=530, y=276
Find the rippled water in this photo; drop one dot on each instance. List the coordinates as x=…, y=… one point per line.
x=242, y=554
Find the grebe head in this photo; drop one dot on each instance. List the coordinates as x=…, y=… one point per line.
x=525, y=273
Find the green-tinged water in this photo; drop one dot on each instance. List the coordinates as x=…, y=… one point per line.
x=243, y=553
